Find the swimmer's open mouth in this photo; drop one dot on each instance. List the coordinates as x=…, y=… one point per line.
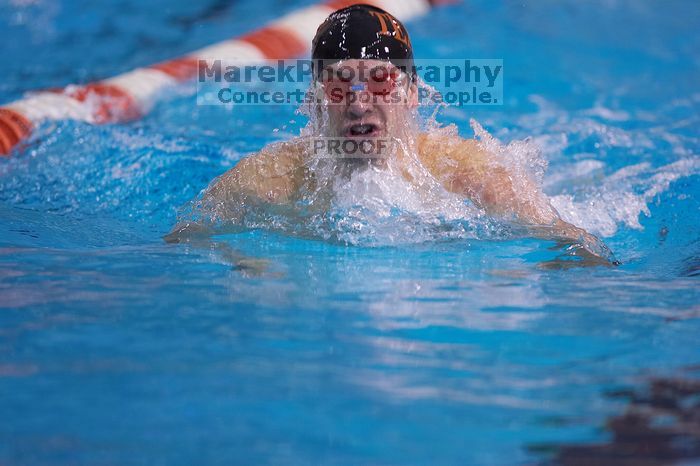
x=363, y=130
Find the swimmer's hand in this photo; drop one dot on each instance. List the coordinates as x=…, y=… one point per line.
x=196, y=236
x=577, y=243
x=185, y=232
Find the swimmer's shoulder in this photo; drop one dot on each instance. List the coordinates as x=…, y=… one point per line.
x=272, y=174
x=281, y=159
x=443, y=151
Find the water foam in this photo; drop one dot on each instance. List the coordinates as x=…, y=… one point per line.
x=588, y=185
x=622, y=197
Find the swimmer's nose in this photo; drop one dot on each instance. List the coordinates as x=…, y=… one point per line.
x=359, y=104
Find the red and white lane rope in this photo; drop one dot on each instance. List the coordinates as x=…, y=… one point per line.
x=130, y=95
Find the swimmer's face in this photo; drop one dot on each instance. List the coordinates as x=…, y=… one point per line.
x=367, y=99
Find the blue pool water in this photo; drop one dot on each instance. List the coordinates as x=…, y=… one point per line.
x=118, y=348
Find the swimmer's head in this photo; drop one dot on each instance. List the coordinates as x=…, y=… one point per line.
x=363, y=64
x=362, y=32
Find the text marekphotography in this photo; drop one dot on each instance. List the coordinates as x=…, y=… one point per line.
x=457, y=82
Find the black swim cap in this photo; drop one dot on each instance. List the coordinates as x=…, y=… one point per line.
x=362, y=31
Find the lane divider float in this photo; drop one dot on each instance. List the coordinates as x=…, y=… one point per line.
x=130, y=95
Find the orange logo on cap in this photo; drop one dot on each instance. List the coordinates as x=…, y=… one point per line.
x=397, y=31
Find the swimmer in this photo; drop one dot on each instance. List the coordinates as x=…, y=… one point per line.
x=374, y=48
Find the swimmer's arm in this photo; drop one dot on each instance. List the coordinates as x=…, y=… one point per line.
x=257, y=178
x=471, y=171
x=222, y=194
x=491, y=187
